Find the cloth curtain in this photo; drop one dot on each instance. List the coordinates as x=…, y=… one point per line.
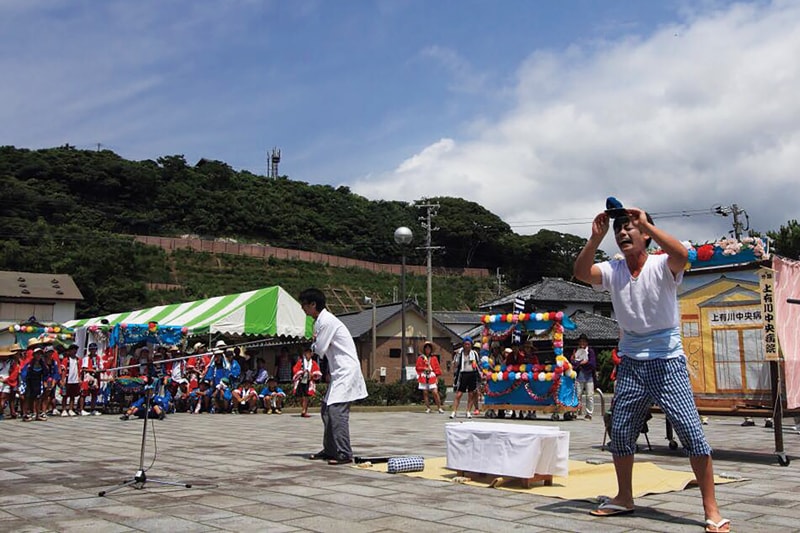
x=787, y=285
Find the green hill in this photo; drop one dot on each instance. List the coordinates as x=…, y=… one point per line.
x=66, y=210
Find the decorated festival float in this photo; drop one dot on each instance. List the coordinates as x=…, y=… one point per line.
x=528, y=387
x=722, y=322
x=26, y=331
x=732, y=312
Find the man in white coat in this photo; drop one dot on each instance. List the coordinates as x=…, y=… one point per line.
x=333, y=341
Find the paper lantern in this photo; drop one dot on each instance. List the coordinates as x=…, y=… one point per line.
x=522, y=368
x=541, y=377
x=525, y=376
x=538, y=317
x=559, y=315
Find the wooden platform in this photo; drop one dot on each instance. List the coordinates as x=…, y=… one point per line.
x=496, y=481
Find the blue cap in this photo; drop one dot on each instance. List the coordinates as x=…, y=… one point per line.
x=467, y=339
x=614, y=208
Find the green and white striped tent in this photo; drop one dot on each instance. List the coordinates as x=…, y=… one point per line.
x=270, y=311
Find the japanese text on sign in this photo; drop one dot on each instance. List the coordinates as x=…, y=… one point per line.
x=766, y=277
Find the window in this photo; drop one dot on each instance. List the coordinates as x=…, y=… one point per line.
x=394, y=352
x=691, y=329
x=20, y=312
x=739, y=360
x=755, y=367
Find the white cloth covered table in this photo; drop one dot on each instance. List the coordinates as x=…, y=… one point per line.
x=507, y=449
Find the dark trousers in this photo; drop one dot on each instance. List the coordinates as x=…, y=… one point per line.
x=336, y=439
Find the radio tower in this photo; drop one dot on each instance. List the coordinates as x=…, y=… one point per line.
x=272, y=163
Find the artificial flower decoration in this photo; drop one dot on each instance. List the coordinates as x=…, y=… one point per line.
x=705, y=252
x=726, y=251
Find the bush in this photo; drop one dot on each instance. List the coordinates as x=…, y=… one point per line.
x=398, y=393
x=604, y=368
x=395, y=393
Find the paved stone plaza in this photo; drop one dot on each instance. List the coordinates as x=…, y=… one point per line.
x=250, y=473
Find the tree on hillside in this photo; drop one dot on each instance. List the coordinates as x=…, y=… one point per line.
x=469, y=233
x=66, y=208
x=786, y=241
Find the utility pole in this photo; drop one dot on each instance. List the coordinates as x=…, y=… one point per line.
x=427, y=223
x=499, y=282
x=738, y=226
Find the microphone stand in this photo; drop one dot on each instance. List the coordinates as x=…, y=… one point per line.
x=140, y=479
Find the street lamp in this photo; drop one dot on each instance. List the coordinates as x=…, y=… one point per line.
x=403, y=236
x=368, y=300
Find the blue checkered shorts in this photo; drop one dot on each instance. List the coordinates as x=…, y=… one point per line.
x=664, y=382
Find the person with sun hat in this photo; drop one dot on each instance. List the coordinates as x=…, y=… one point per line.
x=9, y=379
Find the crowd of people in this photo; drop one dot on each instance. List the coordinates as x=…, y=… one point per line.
x=49, y=379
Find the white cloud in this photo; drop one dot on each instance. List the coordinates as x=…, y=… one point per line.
x=464, y=76
x=696, y=114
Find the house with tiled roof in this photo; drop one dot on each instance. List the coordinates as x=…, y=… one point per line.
x=589, y=309
x=459, y=321
x=47, y=298
x=554, y=294
x=383, y=357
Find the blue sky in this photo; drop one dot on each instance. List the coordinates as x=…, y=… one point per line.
x=538, y=110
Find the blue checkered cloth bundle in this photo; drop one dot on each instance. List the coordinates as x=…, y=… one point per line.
x=406, y=463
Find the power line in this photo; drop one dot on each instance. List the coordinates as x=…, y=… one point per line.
x=583, y=221
x=738, y=226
